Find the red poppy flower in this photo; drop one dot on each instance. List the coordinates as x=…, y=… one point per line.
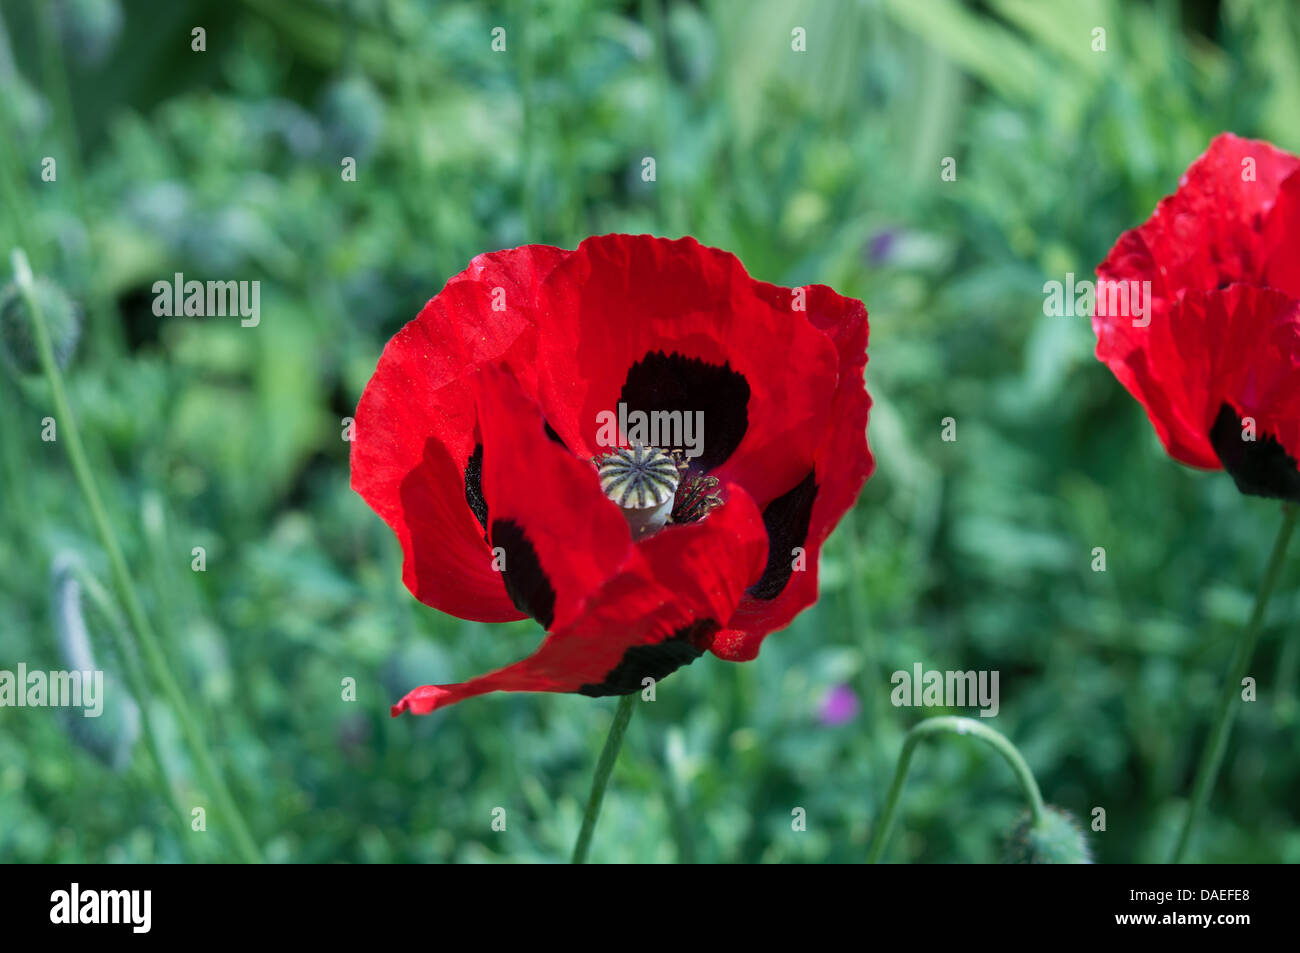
x=1215, y=357
x=635, y=443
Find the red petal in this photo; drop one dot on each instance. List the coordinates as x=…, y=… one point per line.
x=1209, y=232
x=1206, y=235
x=737, y=645
x=673, y=591
x=805, y=419
x=1282, y=238
x=560, y=536
x=1240, y=345
x=621, y=298
x=843, y=464
x=415, y=427
x=1237, y=347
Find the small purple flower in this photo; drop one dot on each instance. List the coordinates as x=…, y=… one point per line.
x=840, y=705
x=880, y=245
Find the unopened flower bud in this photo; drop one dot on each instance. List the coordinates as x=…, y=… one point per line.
x=1056, y=839
x=107, y=724
x=18, y=334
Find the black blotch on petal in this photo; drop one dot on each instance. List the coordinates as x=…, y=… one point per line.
x=474, y=486
x=524, y=578
x=671, y=382
x=786, y=519
x=655, y=661
x=1260, y=467
x=550, y=432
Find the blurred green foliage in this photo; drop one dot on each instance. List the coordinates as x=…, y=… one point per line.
x=820, y=166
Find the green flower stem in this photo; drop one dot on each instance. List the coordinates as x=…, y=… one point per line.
x=957, y=726
x=1212, y=754
x=149, y=646
x=608, y=755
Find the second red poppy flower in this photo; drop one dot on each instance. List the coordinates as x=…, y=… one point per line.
x=1215, y=360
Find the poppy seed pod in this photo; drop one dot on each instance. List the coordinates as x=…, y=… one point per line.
x=643, y=483
x=1056, y=839
x=17, y=333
